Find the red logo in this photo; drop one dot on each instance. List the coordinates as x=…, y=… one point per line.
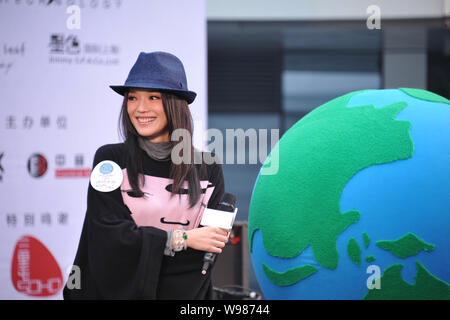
x=37, y=165
x=35, y=271
x=73, y=173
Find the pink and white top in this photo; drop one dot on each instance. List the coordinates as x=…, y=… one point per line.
x=158, y=209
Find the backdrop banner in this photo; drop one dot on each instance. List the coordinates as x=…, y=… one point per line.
x=57, y=60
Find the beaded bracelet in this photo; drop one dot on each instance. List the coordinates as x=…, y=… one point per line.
x=180, y=240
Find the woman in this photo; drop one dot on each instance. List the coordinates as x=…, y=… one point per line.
x=142, y=240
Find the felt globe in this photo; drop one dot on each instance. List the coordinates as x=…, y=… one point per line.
x=359, y=206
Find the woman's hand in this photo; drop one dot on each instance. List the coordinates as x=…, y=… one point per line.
x=210, y=239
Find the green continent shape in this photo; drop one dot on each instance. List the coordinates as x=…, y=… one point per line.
x=366, y=239
x=393, y=287
x=424, y=95
x=370, y=258
x=290, y=276
x=406, y=246
x=319, y=155
x=354, y=251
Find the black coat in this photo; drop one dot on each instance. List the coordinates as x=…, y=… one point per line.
x=119, y=260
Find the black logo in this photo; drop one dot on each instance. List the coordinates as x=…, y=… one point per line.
x=186, y=191
x=59, y=43
x=37, y=165
x=132, y=194
x=173, y=222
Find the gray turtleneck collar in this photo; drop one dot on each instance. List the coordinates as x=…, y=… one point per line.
x=159, y=151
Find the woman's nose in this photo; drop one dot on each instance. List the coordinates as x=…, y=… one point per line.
x=143, y=106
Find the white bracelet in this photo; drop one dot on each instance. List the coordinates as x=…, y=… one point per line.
x=180, y=237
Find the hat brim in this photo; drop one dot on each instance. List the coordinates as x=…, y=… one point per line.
x=189, y=96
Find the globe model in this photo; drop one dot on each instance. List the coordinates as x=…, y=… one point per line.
x=358, y=206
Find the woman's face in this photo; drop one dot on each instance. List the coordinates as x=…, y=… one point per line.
x=146, y=111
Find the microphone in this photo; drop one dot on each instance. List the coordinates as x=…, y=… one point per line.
x=223, y=217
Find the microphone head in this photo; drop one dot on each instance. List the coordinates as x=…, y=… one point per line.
x=228, y=200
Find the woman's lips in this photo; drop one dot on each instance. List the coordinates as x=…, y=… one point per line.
x=145, y=120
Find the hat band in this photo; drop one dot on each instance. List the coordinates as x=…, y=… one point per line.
x=156, y=83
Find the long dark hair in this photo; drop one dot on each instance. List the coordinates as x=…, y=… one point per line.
x=178, y=116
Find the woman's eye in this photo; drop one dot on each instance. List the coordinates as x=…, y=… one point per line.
x=132, y=98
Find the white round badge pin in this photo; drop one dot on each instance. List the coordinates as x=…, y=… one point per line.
x=106, y=176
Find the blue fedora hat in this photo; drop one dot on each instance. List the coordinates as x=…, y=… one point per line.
x=158, y=70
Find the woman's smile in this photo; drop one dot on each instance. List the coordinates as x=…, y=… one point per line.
x=145, y=120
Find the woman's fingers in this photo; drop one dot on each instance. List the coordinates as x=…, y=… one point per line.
x=215, y=250
x=210, y=239
x=219, y=244
x=214, y=244
x=221, y=231
x=220, y=234
x=221, y=238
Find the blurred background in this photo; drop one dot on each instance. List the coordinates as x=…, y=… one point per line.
x=255, y=64
x=272, y=62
